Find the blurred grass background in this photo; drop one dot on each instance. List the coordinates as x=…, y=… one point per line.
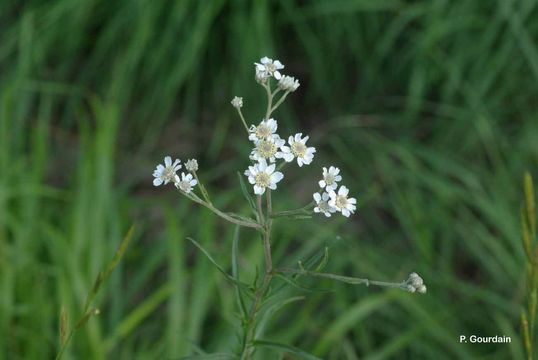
x=428, y=107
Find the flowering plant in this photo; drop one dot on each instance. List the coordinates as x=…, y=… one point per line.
x=269, y=155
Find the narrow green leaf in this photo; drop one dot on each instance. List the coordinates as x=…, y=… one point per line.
x=219, y=268
x=286, y=348
x=295, y=283
x=530, y=203
x=215, y=356
x=246, y=194
x=235, y=272
x=272, y=310
x=324, y=260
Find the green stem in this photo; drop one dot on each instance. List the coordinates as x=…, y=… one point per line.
x=243, y=120
x=280, y=101
x=346, y=279
x=248, y=347
x=305, y=210
x=269, y=100
x=205, y=194
x=225, y=216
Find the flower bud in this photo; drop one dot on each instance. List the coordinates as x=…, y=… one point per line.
x=237, y=102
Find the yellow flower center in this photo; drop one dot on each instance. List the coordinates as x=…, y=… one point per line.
x=263, y=131
x=341, y=201
x=184, y=185
x=263, y=179
x=329, y=179
x=266, y=149
x=298, y=149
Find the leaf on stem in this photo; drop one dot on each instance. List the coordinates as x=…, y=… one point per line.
x=235, y=272
x=246, y=194
x=286, y=348
x=272, y=310
x=219, y=268
x=291, y=281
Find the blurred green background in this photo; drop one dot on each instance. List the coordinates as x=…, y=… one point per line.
x=428, y=107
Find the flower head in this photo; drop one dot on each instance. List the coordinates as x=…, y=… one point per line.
x=341, y=202
x=265, y=130
x=191, y=165
x=237, y=102
x=268, y=149
x=165, y=174
x=267, y=67
x=185, y=183
x=415, y=283
x=330, y=178
x=298, y=149
x=262, y=176
x=322, y=204
x=288, y=83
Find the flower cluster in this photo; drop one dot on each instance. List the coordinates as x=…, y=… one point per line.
x=330, y=200
x=415, y=283
x=167, y=173
x=270, y=147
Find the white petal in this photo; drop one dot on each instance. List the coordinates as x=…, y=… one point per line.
x=270, y=169
x=352, y=200
x=317, y=197
x=276, y=176
x=316, y=209
x=322, y=183
x=325, y=196
x=258, y=190
x=157, y=181
x=343, y=190
x=288, y=157
x=193, y=182
x=278, y=64
x=277, y=75
x=337, y=178
x=168, y=161
x=298, y=136
x=345, y=212
x=262, y=165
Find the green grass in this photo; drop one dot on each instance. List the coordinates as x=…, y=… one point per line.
x=428, y=107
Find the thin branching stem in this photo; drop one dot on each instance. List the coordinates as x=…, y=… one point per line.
x=246, y=223
x=243, y=119
x=346, y=279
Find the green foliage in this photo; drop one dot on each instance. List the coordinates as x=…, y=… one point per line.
x=427, y=107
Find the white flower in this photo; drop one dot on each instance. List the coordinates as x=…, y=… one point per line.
x=265, y=130
x=262, y=176
x=299, y=150
x=267, y=67
x=191, y=165
x=165, y=174
x=341, y=202
x=288, y=83
x=186, y=182
x=237, y=102
x=268, y=149
x=322, y=202
x=330, y=178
